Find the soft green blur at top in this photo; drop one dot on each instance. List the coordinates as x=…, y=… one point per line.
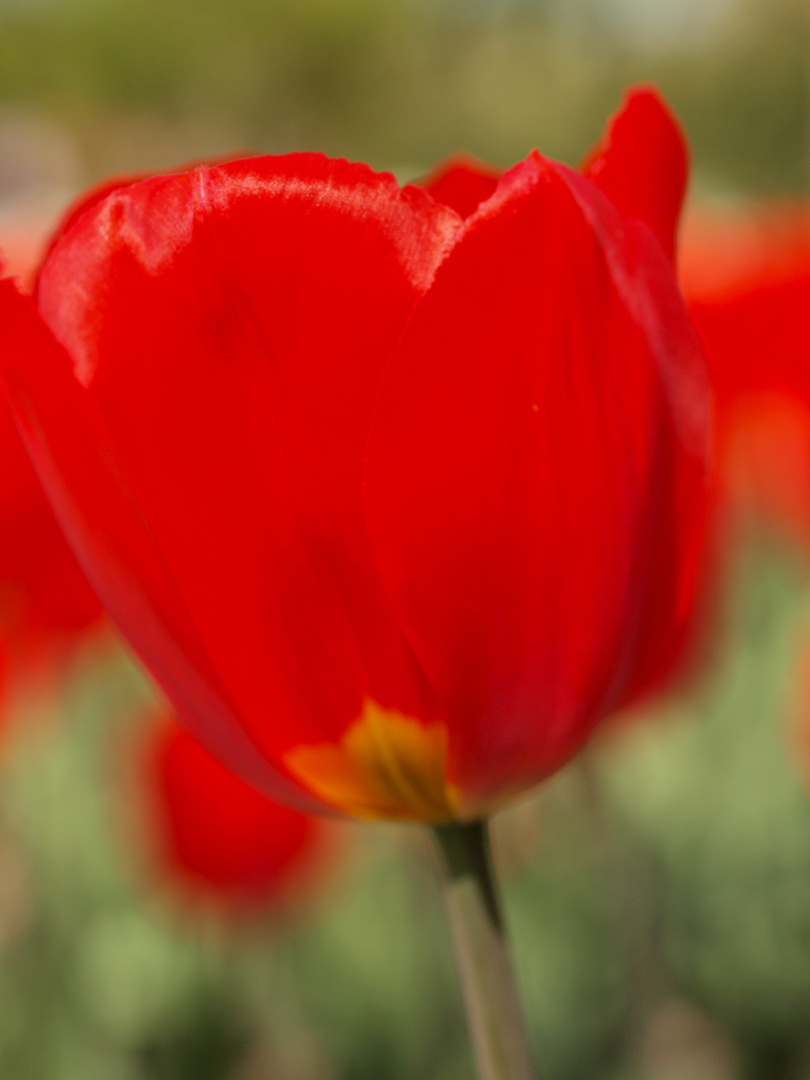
x=144, y=84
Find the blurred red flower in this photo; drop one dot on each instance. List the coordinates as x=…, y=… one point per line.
x=396, y=504
x=747, y=281
x=45, y=601
x=215, y=837
x=44, y=597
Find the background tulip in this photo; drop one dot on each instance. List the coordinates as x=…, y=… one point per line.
x=747, y=280
x=45, y=598
x=46, y=605
x=215, y=837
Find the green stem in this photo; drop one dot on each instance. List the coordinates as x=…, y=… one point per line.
x=488, y=983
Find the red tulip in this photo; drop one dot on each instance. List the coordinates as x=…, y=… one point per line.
x=216, y=837
x=747, y=279
x=397, y=506
x=44, y=597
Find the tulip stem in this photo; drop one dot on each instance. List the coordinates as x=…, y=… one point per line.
x=488, y=983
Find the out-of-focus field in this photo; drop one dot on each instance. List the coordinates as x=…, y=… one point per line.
x=658, y=891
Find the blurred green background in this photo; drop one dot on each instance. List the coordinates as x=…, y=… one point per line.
x=144, y=84
x=658, y=891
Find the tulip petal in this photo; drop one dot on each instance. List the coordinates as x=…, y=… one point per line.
x=461, y=183
x=642, y=164
x=95, y=195
x=105, y=526
x=86, y=201
x=229, y=326
x=526, y=435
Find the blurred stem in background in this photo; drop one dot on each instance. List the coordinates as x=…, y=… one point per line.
x=488, y=983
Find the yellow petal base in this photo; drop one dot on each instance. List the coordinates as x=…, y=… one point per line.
x=385, y=766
